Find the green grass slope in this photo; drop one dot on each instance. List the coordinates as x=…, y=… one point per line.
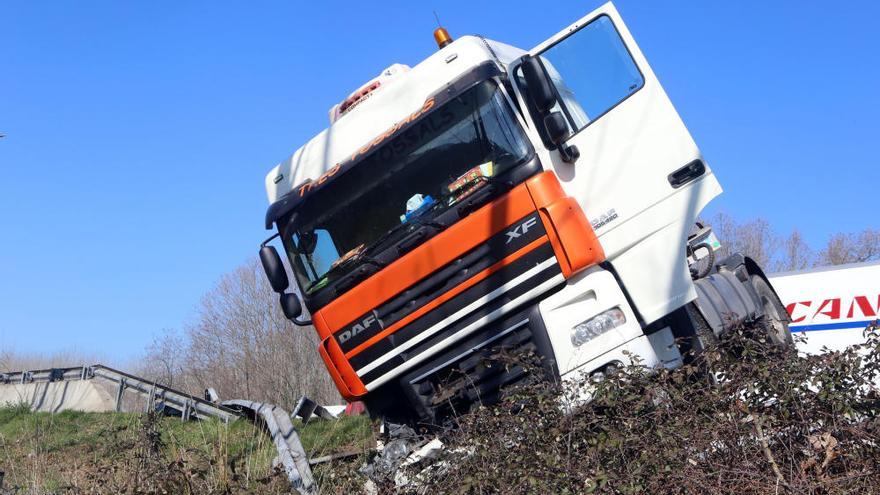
x=77, y=452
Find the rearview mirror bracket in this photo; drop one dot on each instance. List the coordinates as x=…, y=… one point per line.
x=292, y=308
x=543, y=97
x=557, y=131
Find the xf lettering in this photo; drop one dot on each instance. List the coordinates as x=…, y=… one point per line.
x=520, y=229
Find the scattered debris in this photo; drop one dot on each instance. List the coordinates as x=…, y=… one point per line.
x=211, y=395
x=306, y=408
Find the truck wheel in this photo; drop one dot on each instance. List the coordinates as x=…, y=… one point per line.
x=703, y=337
x=775, y=322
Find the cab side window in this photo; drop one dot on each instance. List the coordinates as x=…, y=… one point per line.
x=592, y=72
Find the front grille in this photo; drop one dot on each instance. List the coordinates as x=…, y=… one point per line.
x=482, y=305
x=501, y=275
x=479, y=369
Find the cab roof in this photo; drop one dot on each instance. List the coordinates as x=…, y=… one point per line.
x=390, y=104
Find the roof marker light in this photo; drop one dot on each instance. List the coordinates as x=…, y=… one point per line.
x=441, y=36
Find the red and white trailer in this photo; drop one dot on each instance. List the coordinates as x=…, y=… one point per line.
x=830, y=306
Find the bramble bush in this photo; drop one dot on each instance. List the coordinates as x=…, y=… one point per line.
x=744, y=417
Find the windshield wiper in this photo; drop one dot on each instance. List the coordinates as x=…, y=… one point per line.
x=354, y=277
x=366, y=256
x=358, y=259
x=421, y=220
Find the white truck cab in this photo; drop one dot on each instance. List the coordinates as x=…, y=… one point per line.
x=492, y=199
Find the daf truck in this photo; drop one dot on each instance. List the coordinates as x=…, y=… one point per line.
x=492, y=200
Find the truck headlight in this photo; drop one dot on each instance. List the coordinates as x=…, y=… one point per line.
x=596, y=326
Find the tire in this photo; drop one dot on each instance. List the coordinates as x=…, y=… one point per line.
x=703, y=337
x=775, y=320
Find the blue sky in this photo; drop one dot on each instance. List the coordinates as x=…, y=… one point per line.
x=138, y=134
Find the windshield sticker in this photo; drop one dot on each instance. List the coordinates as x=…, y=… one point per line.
x=469, y=182
x=308, y=186
x=429, y=104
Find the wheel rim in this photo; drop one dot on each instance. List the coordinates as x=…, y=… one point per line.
x=777, y=326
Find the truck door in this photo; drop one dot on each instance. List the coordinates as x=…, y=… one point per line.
x=625, y=155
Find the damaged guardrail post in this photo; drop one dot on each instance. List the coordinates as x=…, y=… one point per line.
x=148, y=407
x=119, y=393
x=290, y=450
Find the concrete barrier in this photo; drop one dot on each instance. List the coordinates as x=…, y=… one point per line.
x=80, y=395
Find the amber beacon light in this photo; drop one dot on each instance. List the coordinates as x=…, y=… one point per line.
x=441, y=36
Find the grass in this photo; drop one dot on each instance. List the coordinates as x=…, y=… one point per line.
x=59, y=431
x=325, y=437
x=73, y=452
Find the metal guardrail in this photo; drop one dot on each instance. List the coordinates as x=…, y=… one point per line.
x=186, y=405
x=189, y=406
x=46, y=375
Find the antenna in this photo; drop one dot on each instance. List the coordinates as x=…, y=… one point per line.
x=438, y=19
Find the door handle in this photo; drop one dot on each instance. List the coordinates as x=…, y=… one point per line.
x=686, y=174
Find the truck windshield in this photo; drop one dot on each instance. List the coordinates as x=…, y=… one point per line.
x=438, y=161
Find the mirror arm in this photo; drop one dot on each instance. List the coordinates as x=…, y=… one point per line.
x=557, y=132
x=301, y=323
x=267, y=241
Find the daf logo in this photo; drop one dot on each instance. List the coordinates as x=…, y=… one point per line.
x=359, y=327
x=520, y=229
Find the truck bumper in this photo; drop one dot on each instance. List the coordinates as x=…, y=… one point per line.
x=585, y=296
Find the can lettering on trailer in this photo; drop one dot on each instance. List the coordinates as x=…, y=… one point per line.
x=809, y=314
x=830, y=307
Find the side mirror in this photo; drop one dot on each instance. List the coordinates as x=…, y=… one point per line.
x=557, y=128
x=557, y=131
x=290, y=305
x=274, y=269
x=540, y=87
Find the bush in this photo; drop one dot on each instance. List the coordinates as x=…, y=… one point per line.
x=745, y=417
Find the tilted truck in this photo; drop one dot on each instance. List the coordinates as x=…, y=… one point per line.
x=495, y=200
